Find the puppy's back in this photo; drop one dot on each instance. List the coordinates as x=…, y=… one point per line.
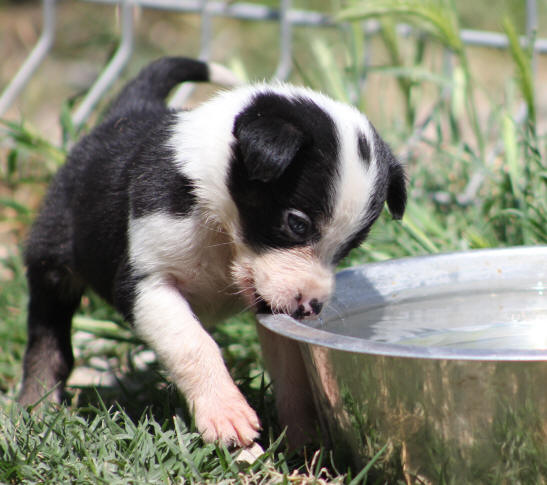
x=82, y=226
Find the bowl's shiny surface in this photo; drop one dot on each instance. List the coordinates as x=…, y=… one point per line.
x=444, y=357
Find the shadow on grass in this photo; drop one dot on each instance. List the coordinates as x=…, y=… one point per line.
x=146, y=390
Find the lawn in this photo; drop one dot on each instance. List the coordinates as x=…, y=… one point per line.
x=475, y=146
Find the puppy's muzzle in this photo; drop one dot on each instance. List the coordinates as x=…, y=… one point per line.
x=309, y=308
x=293, y=282
x=305, y=309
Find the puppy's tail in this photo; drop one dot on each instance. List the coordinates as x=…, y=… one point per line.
x=155, y=81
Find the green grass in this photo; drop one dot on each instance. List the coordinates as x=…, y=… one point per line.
x=478, y=179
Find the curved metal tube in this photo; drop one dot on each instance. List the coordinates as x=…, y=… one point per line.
x=112, y=71
x=34, y=59
x=285, y=47
x=531, y=28
x=184, y=91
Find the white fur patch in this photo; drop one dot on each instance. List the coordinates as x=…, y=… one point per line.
x=285, y=279
x=193, y=253
x=166, y=321
x=203, y=141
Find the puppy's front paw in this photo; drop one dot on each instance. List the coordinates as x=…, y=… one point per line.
x=226, y=417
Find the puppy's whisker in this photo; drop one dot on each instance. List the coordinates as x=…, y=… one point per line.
x=225, y=289
x=338, y=312
x=242, y=290
x=229, y=243
x=213, y=228
x=248, y=307
x=256, y=300
x=232, y=284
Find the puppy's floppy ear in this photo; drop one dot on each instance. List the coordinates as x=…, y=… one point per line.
x=396, y=189
x=268, y=146
x=396, y=180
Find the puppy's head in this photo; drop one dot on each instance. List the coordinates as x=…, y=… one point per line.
x=309, y=176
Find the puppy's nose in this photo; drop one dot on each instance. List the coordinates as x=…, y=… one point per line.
x=308, y=308
x=316, y=306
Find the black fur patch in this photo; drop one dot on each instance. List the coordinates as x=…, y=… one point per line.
x=123, y=167
x=389, y=187
x=80, y=235
x=364, y=148
x=115, y=178
x=159, y=186
x=268, y=146
x=391, y=176
x=295, y=174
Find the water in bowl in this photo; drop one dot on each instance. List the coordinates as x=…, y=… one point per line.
x=472, y=319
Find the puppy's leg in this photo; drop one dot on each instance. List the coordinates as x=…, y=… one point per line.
x=165, y=320
x=293, y=397
x=54, y=297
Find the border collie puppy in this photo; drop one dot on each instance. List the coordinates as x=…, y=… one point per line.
x=182, y=218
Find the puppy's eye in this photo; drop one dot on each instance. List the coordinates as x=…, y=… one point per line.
x=297, y=224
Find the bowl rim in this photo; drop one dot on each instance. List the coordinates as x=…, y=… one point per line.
x=299, y=331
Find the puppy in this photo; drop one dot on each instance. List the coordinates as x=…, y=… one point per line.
x=180, y=219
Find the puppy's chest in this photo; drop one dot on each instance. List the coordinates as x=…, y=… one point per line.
x=207, y=284
x=193, y=256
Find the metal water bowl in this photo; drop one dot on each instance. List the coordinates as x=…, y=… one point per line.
x=443, y=357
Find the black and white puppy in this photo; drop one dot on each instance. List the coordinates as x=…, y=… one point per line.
x=180, y=219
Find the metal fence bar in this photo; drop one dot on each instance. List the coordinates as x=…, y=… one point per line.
x=284, y=66
x=185, y=90
x=481, y=38
x=35, y=58
x=286, y=16
x=239, y=10
x=252, y=12
x=285, y=48
x=206, y=32
x=112, y=70
x=531, y=16
x=531, y=27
